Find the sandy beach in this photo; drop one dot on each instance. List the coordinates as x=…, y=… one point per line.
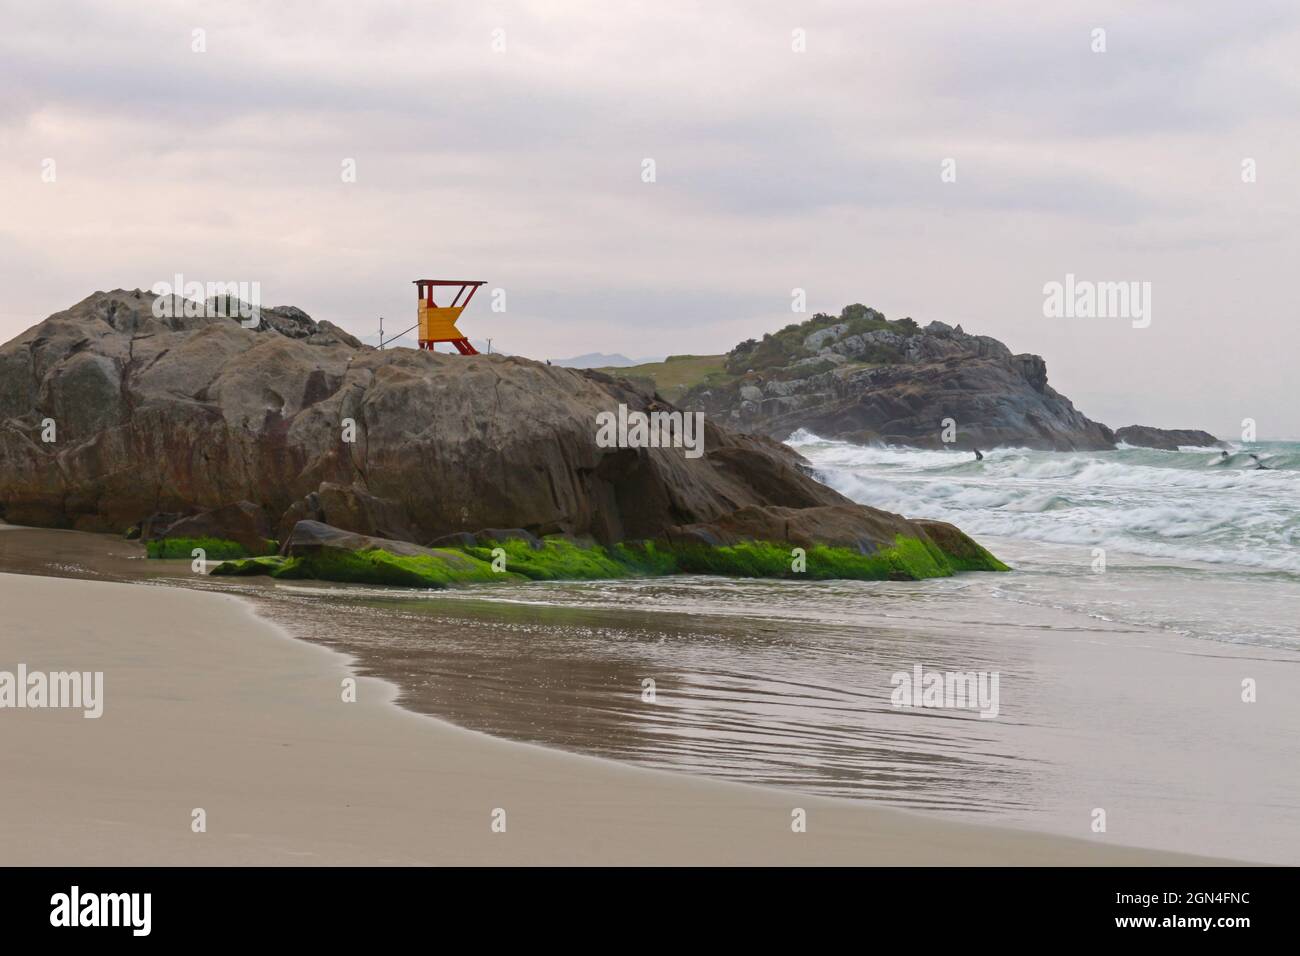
x=208, y=706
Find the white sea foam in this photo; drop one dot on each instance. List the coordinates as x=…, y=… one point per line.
x=1188, y=505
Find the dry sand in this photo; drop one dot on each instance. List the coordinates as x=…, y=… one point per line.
x=206, y=705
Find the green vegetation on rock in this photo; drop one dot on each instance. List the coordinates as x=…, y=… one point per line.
x=962, y=552
x=646, y=558
x=249, y=567
x=557, y=559
x=678, y=374
x=909, y=559
x=779, y=349
x=215, y=549
x=445, y=567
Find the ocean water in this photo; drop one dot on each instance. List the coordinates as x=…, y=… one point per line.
x=1186, y=505
x=1209, y=547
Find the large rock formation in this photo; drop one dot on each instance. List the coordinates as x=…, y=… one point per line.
x=1166, y=439
x=156, y=419
x=897, y=383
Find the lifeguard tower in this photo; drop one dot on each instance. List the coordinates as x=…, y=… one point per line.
x=438, y=322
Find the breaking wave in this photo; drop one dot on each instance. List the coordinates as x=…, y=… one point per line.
x=1187, y=505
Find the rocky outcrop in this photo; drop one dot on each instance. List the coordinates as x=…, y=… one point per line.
x=110, y=416
x=897, y=383
x=834, y=525
x=755, y=541
x=1166, y=439
x=242, y=522
x=311, y=538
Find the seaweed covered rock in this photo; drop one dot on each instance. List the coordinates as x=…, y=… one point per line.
x=752, y=545
x=311, y=538
x=863, y=530
x=321, y=552
x=837, y=541
x=241, y=522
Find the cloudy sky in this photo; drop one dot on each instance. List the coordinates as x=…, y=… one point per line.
x=506, y=141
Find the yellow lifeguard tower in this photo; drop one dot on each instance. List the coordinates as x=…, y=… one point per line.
x=438, y=323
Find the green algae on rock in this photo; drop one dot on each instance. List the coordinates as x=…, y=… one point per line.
x=214, y=549
x=327, y=554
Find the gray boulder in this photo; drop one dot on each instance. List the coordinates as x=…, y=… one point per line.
x=309, y=538
x=309, y=429
x=816, y=340
x=240, y=521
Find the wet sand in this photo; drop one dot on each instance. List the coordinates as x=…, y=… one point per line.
x=208, y=706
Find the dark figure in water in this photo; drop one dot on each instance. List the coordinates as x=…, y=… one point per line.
x=978, y=456
x=1259, y=465
x=1223, y=455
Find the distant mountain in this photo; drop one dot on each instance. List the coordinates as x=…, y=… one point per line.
x=863, y=378
x=602, y=360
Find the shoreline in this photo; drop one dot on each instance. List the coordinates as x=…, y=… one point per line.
x=206, y=709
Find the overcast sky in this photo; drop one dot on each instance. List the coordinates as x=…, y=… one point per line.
x=774, y=170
